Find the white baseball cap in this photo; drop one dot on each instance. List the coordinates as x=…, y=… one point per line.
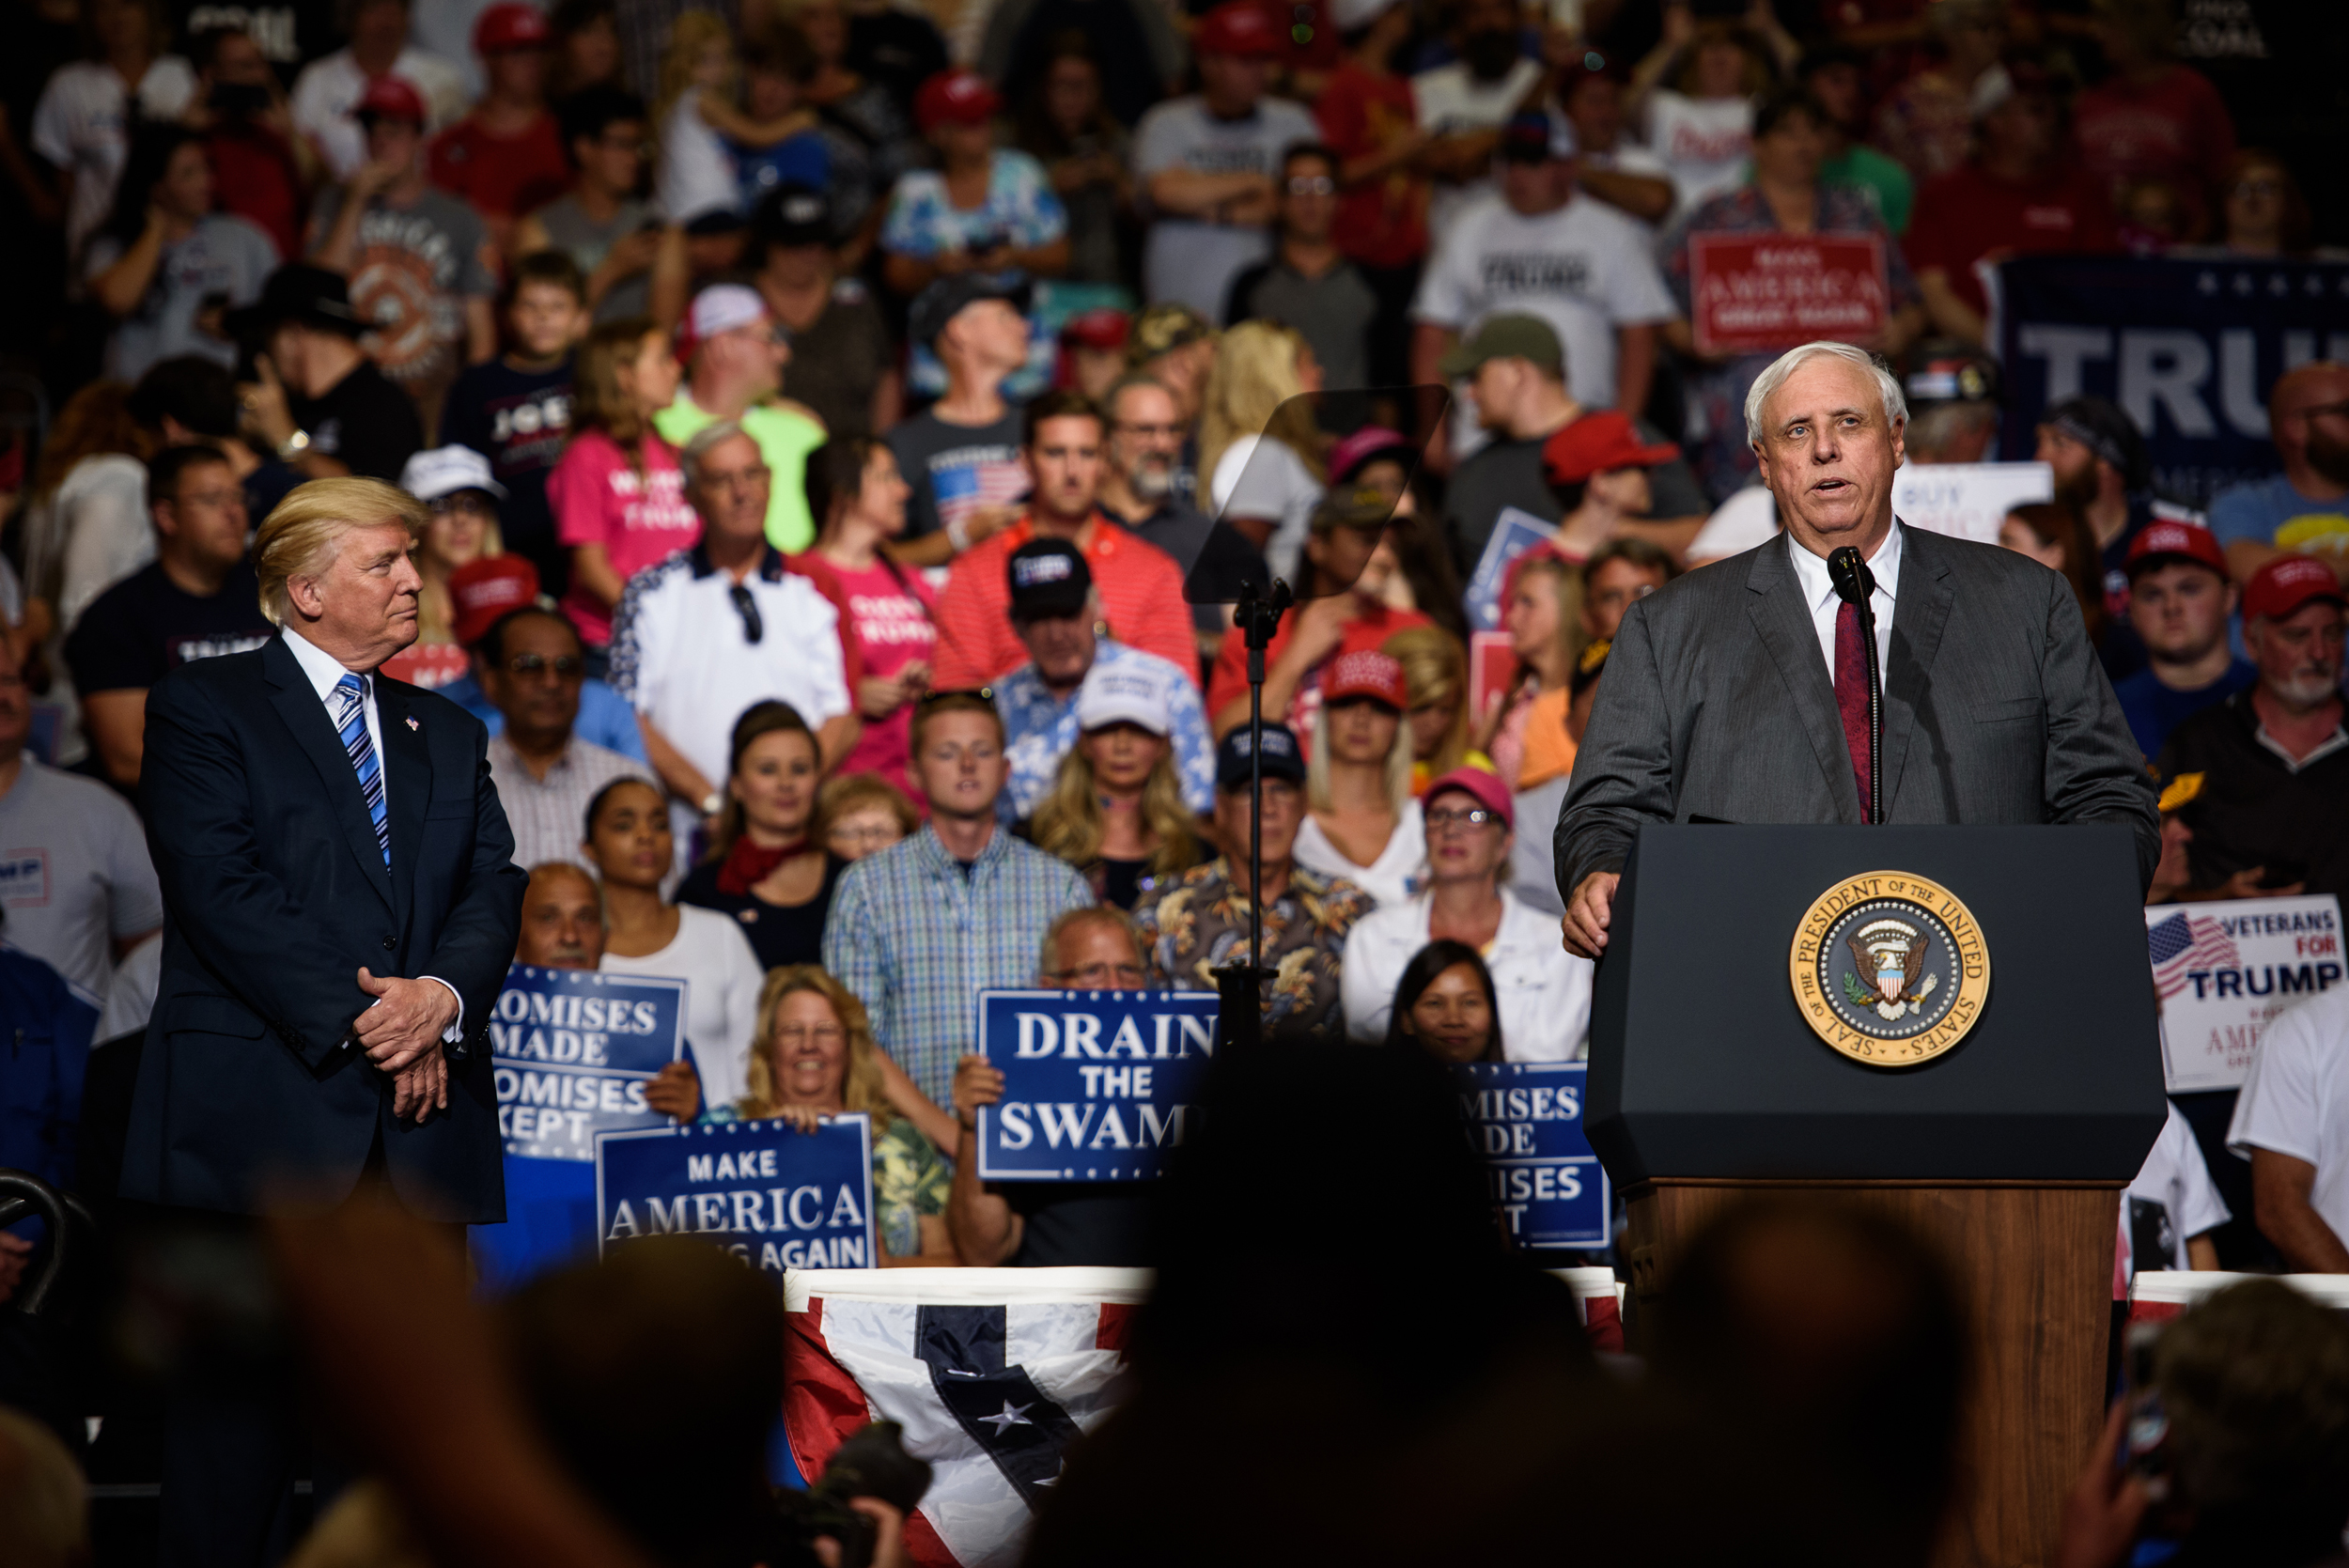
x=445, y=470
x=1124, y=695
x=720, y=307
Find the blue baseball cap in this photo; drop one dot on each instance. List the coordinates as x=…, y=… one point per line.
x=1282, y=757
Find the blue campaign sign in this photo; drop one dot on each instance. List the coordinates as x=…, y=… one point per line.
x=1515, y=532
x=789, y=1199
x=571, y=1050
x=1098, y=1085
x=2189, y=349
x=1526, y=1118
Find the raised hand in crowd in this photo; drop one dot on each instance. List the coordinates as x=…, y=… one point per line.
x=2101, y=1517
x=977, y=1082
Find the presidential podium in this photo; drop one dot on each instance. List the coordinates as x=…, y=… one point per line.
x=1954, y=1026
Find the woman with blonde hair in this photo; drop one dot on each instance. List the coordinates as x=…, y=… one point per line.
x=1436, y=683
x=1116, y=811
x=1543, y=616
x=618, y=491
x=813, y=1055
x=1258, y=444
x=1360, y=821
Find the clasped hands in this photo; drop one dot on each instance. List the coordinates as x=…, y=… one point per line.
x=401, y=1035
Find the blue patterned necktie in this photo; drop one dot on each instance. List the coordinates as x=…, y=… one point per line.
x=352, y=692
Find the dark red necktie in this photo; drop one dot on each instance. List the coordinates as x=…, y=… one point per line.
x=1851, y=693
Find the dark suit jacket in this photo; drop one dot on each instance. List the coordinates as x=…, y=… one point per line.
x=1716, y=703
x=275, y=895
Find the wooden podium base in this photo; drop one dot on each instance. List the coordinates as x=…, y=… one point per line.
x=2034, y=1264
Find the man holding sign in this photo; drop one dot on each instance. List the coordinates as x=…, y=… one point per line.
x=1040, y=1224
x=1780, y=260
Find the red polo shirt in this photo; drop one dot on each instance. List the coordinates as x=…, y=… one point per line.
x=1142, y=599
x=1964, y=215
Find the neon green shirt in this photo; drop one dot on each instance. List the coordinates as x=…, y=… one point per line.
x=786, y=435
x=1877, y=175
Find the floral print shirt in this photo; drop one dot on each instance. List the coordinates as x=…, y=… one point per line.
x=1194, y=924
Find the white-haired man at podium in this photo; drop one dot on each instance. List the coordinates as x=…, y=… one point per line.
x=1739, y=693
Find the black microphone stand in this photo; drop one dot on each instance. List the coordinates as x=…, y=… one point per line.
x=1240, y=987
x=1855, y=584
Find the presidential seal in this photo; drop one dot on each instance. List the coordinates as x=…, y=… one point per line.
x=1890, y=968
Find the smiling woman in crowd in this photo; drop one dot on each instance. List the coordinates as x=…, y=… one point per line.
x=629, y=845
x=814, y=1055
x=764, y=869
x=1445, y=1005
x=1544, y=994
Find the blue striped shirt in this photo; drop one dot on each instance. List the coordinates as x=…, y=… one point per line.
x=917, y=940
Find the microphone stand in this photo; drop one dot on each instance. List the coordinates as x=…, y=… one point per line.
x=1240, y=1011
x=1855, y=584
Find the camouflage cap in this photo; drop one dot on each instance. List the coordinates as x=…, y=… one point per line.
x=1162, y=330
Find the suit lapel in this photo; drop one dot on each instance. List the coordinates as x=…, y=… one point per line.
x=1918, y=615
x=408, y=775
x=297, y=703
x=1782, y=622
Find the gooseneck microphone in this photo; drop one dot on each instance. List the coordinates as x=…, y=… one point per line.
x=1855, y=584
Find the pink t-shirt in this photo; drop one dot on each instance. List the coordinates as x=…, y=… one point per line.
x=597, y=498
x=892, y=614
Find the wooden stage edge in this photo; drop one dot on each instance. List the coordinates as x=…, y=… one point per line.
x=2034, y=1261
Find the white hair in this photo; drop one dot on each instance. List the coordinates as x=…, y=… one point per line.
x=1895, y=404
x=707, y=440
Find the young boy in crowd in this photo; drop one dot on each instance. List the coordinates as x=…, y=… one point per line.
x=515, y=409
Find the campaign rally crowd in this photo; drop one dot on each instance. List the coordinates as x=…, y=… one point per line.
x=831, y=432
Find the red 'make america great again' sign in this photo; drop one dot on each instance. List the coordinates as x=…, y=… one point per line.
x=1758, y=293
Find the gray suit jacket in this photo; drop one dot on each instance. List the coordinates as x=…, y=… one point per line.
x=1717, y=704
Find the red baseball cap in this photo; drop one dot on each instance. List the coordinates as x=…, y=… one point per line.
x=956, y=96
x=1484, y=787
x=2188, y=541
x=391, y=98
x=2286, y=583
x=488, y=587
x=1366, y=674
x=510, y=25
x=1105, y=329
x=1236, y=28
x=1597, y=443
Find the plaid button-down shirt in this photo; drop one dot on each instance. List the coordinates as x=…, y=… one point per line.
x=917, y=940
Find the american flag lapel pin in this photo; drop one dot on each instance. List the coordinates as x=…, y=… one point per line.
x=412, y=725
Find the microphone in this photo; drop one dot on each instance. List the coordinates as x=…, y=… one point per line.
x=1856, y=585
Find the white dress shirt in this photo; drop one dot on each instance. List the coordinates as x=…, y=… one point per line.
x=1818, y=591
x=1544, y=991
x=326, y=671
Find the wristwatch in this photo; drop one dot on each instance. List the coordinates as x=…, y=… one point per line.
x=712, y=803
x=293, y=446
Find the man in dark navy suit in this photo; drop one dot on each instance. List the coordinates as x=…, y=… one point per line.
x=340, y=907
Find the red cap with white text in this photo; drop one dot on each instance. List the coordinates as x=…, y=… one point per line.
x=2286, y=583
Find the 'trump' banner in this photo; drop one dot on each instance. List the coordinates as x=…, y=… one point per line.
x=1527, y=1120
x=789, y=1199
x=2224, y=971
x=571, y=1051
x=2189, y=349
x=1098, y=1085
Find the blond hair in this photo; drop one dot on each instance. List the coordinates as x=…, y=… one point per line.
x=1068, y=823
x=1252, y=390
x=1435, y=670
x=845, y=793
x=689, y=35
x=1398, y=780
x=42, y=1495
x=301, y=535
x=861, y=1086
